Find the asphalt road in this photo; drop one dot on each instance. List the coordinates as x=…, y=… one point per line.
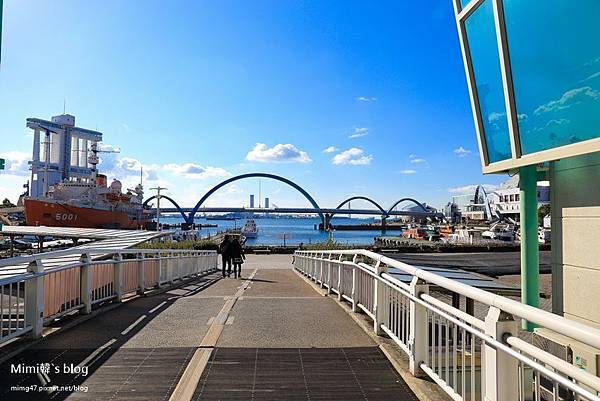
x=489, y=263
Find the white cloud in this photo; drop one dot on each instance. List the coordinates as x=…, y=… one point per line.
x=105, y=147
x=127, y=170
x=568, y=99
x=416, y=159
x=280, y=153
x=560, y=121
x=470, y=189
x=330, y=149
x=495, y=116
x=359, y=132
x=408, y=171
x=196, y=171
x=594, y=75
x=16, y=163
x=352, y=156
x=462, y=152
x=366, y=99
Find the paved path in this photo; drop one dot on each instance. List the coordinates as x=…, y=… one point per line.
x=267, y=336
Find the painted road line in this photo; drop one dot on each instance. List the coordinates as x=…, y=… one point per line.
x=157, y=307
x=90, y=357
x=128, y=329
x=191, y=376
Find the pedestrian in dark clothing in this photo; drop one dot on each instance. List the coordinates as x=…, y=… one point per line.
x=225, y=251
x=237, y=257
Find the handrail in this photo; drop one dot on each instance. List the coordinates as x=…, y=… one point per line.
x=496, y=333
x=576, y=373
x=80, y=251
x=22, y=260
x=570, y=328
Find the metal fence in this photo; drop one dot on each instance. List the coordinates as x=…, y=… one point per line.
x=42, y=294
x=469, y=357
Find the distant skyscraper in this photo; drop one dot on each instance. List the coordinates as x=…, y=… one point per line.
x=266, y=203
x=251, y=201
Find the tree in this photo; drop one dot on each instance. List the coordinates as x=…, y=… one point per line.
x=543, y=211
x=7, y=203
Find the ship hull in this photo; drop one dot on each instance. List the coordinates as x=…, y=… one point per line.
x=57, y=214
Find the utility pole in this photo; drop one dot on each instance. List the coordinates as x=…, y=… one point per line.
x=158, y=189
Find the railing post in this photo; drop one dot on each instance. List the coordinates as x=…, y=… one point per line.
x=418, y=329
x=379, y=299
x=118, y=276
x=339, y=283
x=34, y=298
x=354, y=284
x=329, y=269
x=500, y=371
x=141, y=278
x=86, y=284
x=321, y=272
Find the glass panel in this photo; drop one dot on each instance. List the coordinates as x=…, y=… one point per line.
x=555, y=58
x=481, y=34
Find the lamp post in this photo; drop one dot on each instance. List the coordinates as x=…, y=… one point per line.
x=158, y=189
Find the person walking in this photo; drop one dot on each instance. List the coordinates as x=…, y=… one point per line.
x=225, y=251
x=237, y=257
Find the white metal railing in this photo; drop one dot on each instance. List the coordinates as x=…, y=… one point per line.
x=470, y=358
x=32, y=298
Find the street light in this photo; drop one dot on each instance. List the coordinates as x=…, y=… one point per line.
x=158, y=189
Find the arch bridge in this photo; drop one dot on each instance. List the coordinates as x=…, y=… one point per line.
x=325, y=214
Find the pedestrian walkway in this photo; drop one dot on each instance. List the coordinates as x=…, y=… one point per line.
x=267, y=336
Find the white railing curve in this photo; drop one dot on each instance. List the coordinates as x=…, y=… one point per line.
x=469, y=357
x=41, y=293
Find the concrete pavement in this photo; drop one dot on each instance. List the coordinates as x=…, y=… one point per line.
x=266, y=336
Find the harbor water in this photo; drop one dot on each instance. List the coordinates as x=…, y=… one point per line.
x=271, y=231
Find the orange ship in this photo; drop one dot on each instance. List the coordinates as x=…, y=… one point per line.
x=87, y=205
x=65, y=188
x=56, y=214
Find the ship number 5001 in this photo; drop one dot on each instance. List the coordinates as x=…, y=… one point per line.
x=66, y=216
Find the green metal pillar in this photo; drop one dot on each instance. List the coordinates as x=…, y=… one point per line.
x=530, y=271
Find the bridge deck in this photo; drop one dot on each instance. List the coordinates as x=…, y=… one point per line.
x=267, y=336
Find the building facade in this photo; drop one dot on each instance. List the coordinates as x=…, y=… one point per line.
x=533, y=75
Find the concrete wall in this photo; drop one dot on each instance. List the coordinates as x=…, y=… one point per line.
x=575, y=201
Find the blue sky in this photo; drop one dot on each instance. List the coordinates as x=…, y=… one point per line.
x=197, y=91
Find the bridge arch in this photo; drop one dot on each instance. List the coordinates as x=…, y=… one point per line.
x=185, y=217
x=257, y=175
x=371, y=201
x=416, y=202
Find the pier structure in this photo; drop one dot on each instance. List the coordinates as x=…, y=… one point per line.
x=164, y=324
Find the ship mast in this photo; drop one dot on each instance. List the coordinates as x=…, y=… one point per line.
x=93, y=159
